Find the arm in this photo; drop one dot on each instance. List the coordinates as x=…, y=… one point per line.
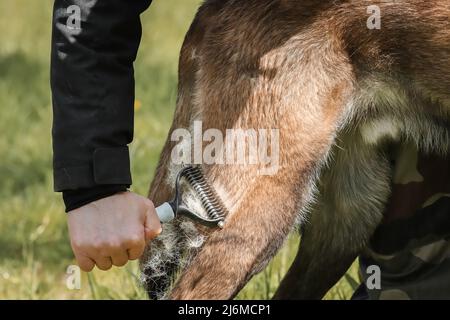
x=93, y=91
x=94, y=45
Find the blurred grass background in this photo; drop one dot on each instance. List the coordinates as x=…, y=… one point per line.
x=34, y=246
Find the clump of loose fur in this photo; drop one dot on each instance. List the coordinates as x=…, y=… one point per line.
x=172, y=251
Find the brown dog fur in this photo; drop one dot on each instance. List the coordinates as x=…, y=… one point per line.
x=313, y=70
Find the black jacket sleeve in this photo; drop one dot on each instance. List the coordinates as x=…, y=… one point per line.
x=94, y=45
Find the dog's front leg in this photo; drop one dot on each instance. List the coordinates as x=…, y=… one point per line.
x=252, y=235
x=267, y=208
x=300, y=86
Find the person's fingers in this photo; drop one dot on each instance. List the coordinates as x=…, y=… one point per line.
x=103, y=263
x=85, y=263
x=152, y=224
x=119, y=258
x=136, y=248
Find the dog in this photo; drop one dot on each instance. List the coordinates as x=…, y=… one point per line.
x=337, y=91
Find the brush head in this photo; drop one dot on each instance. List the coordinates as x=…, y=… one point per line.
x=208, y=197
x=211, y=202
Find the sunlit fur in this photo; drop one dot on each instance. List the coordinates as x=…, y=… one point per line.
x=338, y=92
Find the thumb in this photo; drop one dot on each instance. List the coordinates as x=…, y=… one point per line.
x=152, y=225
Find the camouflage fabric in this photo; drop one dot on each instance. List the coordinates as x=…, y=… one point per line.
x=412, y=245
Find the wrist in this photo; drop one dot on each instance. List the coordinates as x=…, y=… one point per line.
x=74, y=199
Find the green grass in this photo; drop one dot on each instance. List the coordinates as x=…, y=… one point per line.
x=34, y=247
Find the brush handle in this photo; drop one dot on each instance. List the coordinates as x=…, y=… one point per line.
x=165, y=213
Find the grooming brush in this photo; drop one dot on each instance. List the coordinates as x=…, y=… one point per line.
x=213, y=206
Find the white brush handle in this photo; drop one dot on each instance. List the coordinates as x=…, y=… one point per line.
x=165, y=213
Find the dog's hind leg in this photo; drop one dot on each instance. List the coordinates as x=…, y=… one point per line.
x=353, y=193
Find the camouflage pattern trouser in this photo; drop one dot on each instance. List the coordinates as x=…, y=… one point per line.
x=412, y=245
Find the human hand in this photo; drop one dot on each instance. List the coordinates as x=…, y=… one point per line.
x=112, y=230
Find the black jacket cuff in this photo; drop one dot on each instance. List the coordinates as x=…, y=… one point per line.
x=109, y=166
x=74, y=199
